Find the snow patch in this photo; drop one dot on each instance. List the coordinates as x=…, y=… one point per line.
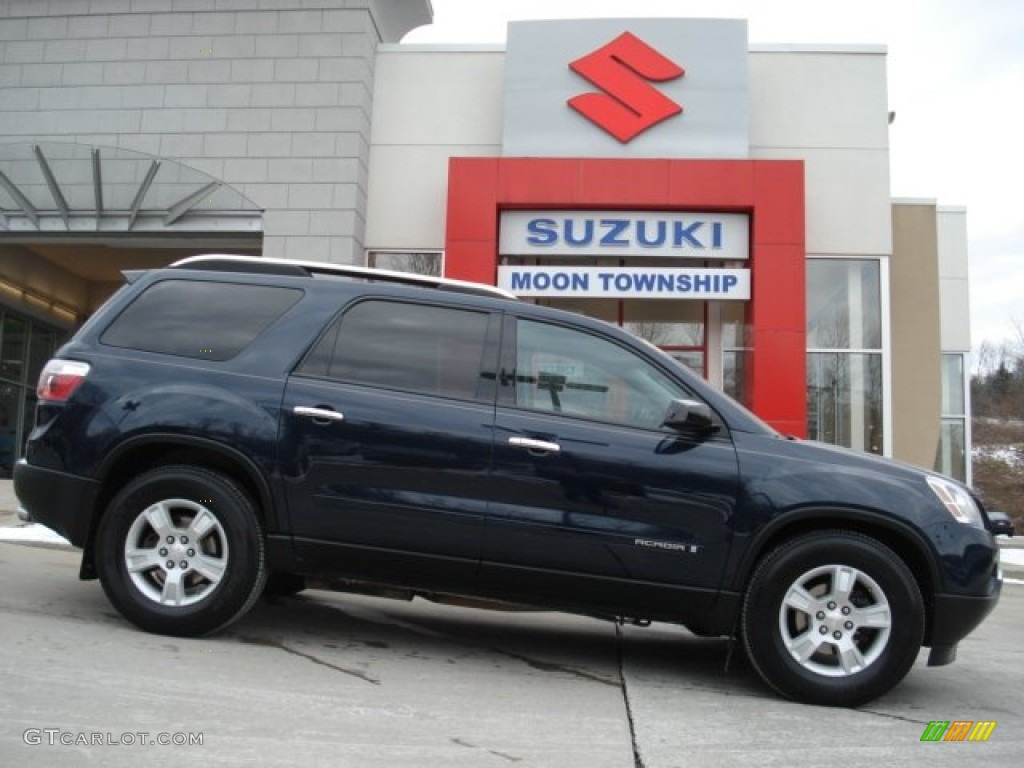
x=1011, y=455
x=33, y=534
x=1012, y=556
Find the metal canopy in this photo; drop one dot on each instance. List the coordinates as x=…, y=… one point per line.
x=53, y=188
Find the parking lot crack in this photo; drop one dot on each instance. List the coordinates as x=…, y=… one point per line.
x=496, y=753
x=545, y=666
x=891, y=716
x=503, y=756
x=638, y=761
x=310, y=657
x=366, y=615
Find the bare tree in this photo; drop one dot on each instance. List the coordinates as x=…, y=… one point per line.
x=418, y=263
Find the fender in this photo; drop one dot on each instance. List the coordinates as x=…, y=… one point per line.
x=863, y=520
x=252, y=470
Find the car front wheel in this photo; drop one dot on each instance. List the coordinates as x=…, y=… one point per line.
x=180, y=551
x=833, y=618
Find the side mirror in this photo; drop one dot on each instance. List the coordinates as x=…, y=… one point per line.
x=688, y=414
x=1000, y=522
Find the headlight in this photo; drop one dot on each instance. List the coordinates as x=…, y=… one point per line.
x=957, y=500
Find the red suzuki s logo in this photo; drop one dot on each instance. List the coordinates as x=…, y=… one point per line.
x=629, y=104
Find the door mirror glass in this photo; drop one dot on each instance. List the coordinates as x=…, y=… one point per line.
x=1000, y=523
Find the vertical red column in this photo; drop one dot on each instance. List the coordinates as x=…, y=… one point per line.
x=771, y=191
x=471, y=237
x=777, y=368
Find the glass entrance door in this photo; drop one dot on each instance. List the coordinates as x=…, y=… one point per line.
x=680, y=328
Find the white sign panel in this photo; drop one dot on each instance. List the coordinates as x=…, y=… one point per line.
x=617, y=234
x=626, y=282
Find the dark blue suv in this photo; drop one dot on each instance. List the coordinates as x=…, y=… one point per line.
x=226, y=421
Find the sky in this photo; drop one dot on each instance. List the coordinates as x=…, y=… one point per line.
x=956, y=84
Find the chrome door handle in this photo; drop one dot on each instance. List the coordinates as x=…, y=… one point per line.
x=529, y=443
x=319, y=415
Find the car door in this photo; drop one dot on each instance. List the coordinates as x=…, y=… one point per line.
x=597, y=501
x=386, y=441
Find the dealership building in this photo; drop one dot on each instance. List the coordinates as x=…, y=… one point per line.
x=728, y=202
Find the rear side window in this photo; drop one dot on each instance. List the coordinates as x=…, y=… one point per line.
x=409, y=347
x=204, y=320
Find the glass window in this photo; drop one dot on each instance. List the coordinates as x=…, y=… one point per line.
x=574, y=373
x=25, y=346
x=10, y=395
x=951, y=454
x=12, y=351
x=953, y=385
x=734, y=324
x=417, y=262
x=951, y=457
x=844, y=390
x=733, y=375
x=666, y=323
x=734, y=351
x=318, y=361
x=206, y=320
x=844, y=306
x=844, y=400
x=409, y=347
x=40, y=349
x=28, y=417
x=599, y=309
x=692, y=359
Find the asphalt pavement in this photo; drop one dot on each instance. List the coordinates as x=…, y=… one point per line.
x=347, y=681
x=8, y=504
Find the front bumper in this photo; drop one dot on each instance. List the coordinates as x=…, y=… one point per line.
x=954, y=617
x=61, y=502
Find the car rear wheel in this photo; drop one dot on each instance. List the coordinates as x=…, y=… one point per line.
x=833, y=618
x=180, y=551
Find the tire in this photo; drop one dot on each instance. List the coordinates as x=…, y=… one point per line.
x=149, y=564
x=832, y=618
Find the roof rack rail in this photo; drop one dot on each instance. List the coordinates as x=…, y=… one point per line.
x=259, y=265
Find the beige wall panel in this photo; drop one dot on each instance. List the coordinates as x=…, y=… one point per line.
x=916, y=338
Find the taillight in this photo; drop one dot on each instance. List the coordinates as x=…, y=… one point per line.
x=59, y=379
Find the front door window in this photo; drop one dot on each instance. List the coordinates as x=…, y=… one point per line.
x=576, y=374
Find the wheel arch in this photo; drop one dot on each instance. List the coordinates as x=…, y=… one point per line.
x=907, y=543
x=144, y=452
